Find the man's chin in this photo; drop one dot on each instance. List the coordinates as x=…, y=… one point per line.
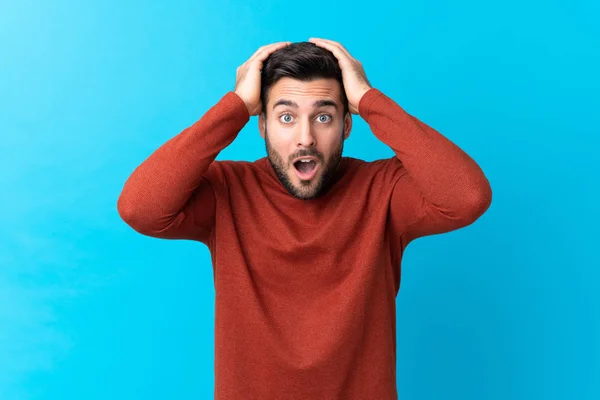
x=303, y=189
x=302, y=195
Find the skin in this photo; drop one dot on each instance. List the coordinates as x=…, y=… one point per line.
x=291, y=132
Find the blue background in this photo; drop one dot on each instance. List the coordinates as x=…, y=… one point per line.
x=507, y=308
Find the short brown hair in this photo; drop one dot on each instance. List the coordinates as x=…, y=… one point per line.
x=304, y=61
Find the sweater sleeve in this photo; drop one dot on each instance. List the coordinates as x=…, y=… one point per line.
x=169, y=195
x=439, y=188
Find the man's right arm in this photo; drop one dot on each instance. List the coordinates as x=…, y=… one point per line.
x=169, y=195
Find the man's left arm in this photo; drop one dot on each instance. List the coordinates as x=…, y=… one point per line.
x=440, y=188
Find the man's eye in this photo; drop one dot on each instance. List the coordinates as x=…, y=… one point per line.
x=324, y=115
x=286, y=115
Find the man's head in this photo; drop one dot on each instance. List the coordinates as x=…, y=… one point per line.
x=305, y=114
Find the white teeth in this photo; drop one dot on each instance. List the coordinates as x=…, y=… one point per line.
x=306, y=160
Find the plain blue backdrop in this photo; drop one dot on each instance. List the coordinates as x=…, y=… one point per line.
x=507, y=308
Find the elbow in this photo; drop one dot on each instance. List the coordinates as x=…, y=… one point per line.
x=142, y=218
x=131, y=215
x=484, y=196
x=126, y=210
x=479, y=202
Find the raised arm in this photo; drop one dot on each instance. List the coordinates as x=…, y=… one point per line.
x=170, y=195
x=440, y=188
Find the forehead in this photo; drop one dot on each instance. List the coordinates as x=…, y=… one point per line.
x=304, y=93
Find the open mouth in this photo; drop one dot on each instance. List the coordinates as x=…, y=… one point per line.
x=306, y=169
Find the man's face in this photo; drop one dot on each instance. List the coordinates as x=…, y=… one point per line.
x=296, y=127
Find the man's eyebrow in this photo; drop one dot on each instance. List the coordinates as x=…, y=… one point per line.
x=316, y=104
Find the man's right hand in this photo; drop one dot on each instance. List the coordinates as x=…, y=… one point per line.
x=247, y=83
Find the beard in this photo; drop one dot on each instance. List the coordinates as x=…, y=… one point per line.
x=318, y=185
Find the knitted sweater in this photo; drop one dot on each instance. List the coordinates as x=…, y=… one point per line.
x=305, y=289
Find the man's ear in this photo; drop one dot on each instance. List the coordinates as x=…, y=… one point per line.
x=261, y=124
x=347, y=125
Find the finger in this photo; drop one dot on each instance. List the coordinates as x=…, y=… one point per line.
x=266, y=52
x=263, y=52
x=271, y=49
x=338, y=52
x=332, y=43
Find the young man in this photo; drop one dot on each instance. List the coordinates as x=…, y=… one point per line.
x=306, y=245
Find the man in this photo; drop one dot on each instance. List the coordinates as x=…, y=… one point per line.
x=306, y=244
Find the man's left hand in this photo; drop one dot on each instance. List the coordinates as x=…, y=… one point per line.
x=355, y=80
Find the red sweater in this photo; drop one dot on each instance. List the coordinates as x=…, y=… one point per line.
x=305, y=289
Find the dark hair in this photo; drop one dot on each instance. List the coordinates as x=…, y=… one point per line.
x=304, y=61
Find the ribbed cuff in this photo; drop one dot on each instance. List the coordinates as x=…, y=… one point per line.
x=364, y=105
x=237, y=105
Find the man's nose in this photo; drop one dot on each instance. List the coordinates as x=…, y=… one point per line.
x=306, y=135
